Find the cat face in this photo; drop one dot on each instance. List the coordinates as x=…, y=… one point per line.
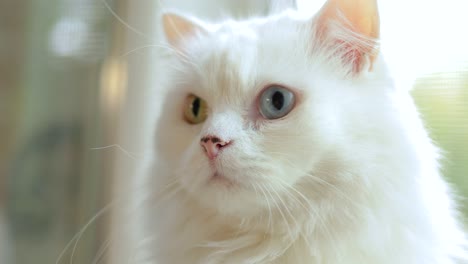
x=264, y=110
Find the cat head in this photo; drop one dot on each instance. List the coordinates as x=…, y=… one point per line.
x=268, y=110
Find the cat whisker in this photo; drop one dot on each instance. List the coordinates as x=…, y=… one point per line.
x=321, y=221
x=313, y=212
x=142, y=243
x=196, y=66
x=180, y=55
x=167, y=192
x=316, y=179
x=76, y=238
x=319, y=180
x=286, y=222
x=108, y=7
x=270, y=216
x=292, y=235
x=120, y=148
x=101, y=251
x=306, y=150
x=160, y=45
x=171, y=65
x=287, y=187
x=140, y=48
x=286, y=207
x=310, y=209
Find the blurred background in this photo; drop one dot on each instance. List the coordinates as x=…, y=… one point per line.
x=75, y=78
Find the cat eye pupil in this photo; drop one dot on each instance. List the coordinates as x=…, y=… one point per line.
x=196, y=106
x=275, y=102
x=278, y=100
x=195, y=109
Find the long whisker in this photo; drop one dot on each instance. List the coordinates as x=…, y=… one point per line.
x=101, y=251
x=120, y=148
x=280, y=211
x=132, y=258
x=309, y=209
x=78, y=235
x=270, y=216
x=108, y=7
x=162, y=195
x=161, y=45
x=310, y=176
x=138, y=49
x=296, y=224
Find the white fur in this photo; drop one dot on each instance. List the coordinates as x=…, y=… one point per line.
x=349, y=176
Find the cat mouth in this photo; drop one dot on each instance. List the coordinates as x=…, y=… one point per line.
x=220, y=179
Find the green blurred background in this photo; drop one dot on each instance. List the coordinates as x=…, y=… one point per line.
x=442, y=99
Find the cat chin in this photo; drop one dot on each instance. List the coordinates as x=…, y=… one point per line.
x=229, y=201
x=219, y=180
x=226, y=195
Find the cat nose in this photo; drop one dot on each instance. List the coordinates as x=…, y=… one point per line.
x=213, y=145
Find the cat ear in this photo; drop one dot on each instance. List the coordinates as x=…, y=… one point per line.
x=178, y=28
x=351, y=29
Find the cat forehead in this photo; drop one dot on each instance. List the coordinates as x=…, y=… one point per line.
x=237, y=59
x=227, y=60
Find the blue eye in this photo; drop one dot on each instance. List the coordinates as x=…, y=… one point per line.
x=276, y=102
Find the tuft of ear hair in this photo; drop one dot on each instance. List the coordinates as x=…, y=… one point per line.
x=350, y=28
x=178, y=28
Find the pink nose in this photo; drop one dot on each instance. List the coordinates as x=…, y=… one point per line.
x=213, y=145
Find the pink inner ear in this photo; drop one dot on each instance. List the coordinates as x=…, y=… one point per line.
x=177, y=28
x=356, y=58
x=350, y=29
x=355, y=50
x=352, y=55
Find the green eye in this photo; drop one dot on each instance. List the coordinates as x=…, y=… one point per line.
x=195, y=109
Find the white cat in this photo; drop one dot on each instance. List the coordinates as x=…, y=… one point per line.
x=283, y=140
